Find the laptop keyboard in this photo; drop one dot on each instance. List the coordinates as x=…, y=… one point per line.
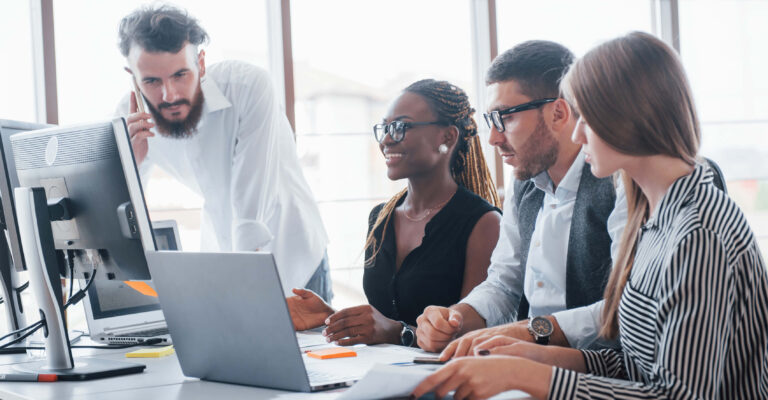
x=317, y=376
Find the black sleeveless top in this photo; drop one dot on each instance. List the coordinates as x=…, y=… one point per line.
x=431, y=274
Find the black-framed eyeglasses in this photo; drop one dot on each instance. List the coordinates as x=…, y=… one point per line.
x=396, y=129
x=496, y=118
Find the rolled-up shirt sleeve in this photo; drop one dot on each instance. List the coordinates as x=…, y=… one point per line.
x=498, y=297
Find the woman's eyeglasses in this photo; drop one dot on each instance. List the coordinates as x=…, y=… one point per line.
x=396, y=129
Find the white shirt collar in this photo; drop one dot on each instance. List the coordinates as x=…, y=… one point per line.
x=214, y=99
x=570, y=181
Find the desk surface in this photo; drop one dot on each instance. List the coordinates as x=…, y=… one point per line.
x=162, y=379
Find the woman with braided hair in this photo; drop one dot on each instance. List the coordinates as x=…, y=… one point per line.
x=431, y=243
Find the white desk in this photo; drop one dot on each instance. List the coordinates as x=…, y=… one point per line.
x=162, y=379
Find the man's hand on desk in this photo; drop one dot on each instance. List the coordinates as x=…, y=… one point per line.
x=139, y=127
x=466, y=345
x=308, y=310
x=437, y=326
x=502, y=335
x=361, y=324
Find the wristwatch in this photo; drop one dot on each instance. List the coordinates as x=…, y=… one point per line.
x=541, y=329
x=407, y=335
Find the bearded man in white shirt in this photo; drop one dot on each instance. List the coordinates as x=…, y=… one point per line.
x=221, y=132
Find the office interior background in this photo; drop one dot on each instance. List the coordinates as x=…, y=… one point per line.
x=336, y=64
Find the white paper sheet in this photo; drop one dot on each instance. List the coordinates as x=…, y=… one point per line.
x=386, y=381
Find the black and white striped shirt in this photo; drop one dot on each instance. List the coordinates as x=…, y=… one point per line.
x=693, y=317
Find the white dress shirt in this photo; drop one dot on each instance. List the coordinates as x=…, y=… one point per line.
x=242, y=160
x=498, y=297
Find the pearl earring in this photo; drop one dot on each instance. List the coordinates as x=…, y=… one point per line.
x=442, y=149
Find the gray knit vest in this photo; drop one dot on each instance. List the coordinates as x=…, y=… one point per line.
x=588, y=262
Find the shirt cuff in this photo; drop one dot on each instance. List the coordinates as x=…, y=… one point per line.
x=579, y=325
x=563, y=384
x=593, y=361
x=251, y=235
x=480, y=299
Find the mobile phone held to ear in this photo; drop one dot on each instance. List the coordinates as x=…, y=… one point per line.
x=139, y=99
x=428, y=360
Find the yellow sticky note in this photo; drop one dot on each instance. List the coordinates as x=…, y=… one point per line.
x=153, y=352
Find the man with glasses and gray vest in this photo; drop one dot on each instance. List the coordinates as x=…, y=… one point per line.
x=551, y=263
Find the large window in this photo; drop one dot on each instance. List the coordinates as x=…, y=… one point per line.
x=351, y=59
x=17, y=72
x=727, y=69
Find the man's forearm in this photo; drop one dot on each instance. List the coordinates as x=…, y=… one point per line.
x=471, y=320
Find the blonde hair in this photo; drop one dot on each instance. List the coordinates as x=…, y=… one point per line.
x=468, y=168
x=634, y=94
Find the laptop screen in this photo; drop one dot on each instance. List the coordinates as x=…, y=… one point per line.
x=113, y=298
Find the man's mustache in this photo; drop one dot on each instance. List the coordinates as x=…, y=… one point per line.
x=174, y=104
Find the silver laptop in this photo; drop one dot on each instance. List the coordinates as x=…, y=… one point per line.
x=230, y=323
x=119, y=314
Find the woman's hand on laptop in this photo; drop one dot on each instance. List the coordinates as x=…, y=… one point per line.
x=361, y=324
x=308, y=310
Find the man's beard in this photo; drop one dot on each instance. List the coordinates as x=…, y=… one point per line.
x=538, y=153
x=179, y=129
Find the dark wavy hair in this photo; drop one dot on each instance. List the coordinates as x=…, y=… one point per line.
x=536, y=65
x=159, y=28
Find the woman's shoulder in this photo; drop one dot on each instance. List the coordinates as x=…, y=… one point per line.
x=470, y=203
x=374, y=214
x=712, y=210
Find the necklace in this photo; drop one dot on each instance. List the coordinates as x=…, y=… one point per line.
x=429, y=210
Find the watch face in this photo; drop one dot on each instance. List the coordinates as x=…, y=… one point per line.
x=406, y=337
x=541, y=326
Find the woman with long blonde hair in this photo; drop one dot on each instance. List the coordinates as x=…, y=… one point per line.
x=688, y=294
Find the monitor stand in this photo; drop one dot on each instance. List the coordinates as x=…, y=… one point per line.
x=34, y=222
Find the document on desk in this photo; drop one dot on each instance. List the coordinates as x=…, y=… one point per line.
x=387, y=381
x=310, y=339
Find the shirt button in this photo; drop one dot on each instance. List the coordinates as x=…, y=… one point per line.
x=553, y=206
x=540, y=284
x=393, y=302
x=537, y=243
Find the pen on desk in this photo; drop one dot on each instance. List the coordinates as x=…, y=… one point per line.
x=29, y=377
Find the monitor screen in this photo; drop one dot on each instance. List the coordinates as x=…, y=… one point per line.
x=113, y=298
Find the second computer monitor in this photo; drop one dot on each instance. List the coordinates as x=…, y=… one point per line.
x=8, y=181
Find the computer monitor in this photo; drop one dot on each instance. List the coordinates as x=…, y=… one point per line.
x=83, y=164
x=11, y=258
x=8, y=181
x=79, y=191
x=115, y=305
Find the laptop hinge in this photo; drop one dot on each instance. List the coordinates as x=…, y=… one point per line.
x=135, y=327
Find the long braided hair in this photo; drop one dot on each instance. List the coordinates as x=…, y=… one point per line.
x=468, y=168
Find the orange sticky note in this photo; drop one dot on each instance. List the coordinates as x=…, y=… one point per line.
x=141, y=287
x=335, y=352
